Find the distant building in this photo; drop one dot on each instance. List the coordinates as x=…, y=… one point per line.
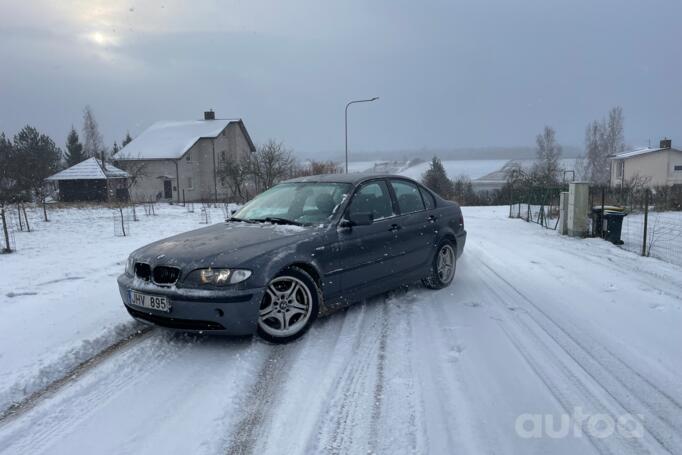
x=176, y=161
x=648, y=166
x=90, y=180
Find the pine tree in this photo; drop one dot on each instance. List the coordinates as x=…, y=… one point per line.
x=115, y=149
x=126, y=140
x=39, y=157
x=437, y=179
x=74, y=149
x=93, y=144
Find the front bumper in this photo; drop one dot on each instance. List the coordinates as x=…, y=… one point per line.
x=225, y=312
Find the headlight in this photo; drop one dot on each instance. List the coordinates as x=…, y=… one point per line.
x=130, y=265
x=217, y=277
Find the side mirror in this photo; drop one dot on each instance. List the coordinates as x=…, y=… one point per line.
x=358, y=219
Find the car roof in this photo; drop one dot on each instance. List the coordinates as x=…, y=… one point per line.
x=353, y=178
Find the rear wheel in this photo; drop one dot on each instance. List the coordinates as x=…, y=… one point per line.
x=289, y=306
x=443, y=267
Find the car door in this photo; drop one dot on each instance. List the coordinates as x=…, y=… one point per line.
x=415, y=242
x=364, y=253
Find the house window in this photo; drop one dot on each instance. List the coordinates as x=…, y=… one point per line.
x=188, y=157
x=678, y=167
x=620, y=169
x=223, y=155
x=190, y=185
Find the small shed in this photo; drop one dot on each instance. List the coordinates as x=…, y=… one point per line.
x=91, y=180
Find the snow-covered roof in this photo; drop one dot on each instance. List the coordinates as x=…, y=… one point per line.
x=90, y=169
x=170, y=140
x=637, y=152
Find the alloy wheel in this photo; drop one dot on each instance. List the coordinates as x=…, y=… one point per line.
x=286, y=307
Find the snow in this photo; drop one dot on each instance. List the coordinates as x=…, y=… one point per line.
x=171, y=139
x=534, y=323
x=455, y=168
x=637, y=152
x=90, y=169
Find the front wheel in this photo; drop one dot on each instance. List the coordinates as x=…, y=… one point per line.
x=443, y=267
x=289, y=307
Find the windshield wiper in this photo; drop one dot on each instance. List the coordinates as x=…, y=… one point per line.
x=233, y=218
x=277, y=220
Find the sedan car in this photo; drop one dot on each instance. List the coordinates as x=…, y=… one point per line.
x=301, y=249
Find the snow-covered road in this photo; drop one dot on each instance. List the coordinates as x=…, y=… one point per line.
x=534, y=325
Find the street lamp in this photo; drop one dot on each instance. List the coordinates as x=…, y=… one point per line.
x=353, y=102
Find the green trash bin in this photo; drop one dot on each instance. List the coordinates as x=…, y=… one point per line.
x=614, y=226
x=609, y=224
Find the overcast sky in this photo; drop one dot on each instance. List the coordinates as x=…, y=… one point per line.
x=448, y=73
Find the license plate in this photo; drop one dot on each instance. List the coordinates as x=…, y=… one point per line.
x=152, y=302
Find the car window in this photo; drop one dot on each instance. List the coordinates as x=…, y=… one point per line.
x=372, y=197
x=428, y=198
x=407, y=194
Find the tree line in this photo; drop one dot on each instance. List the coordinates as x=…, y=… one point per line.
x=603, y=138
x=29, y=157
x=271, y=163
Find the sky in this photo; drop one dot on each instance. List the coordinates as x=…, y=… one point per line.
x=448, y=74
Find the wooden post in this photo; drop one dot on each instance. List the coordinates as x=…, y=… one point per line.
x=603, y=197
x=646, y=221
x=7, y=248
x=45, y=210
x=23, y=208
x=123, y=226
x=21, y=223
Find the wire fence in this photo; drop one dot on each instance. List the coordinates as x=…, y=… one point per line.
x=652, y=225
x=537, y=204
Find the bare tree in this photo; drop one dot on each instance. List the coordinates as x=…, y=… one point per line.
x=93, y=144
x=546, y=168
x=271, y=163
x=235, y=175
x=603, y=139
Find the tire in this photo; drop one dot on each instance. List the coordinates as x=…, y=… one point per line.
x=440, y=278
x=289, y=307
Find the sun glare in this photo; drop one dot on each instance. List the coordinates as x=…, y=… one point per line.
x=101, y=39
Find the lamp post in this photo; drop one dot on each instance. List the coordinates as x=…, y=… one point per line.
x=346, y=124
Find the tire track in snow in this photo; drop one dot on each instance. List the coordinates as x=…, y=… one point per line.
x=621, y=385
x=259, y=402
x=30, y=401
x=83, y=396
x=355, y=387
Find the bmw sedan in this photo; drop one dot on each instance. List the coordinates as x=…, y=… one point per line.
x=299, y=250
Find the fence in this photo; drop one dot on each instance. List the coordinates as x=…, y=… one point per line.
x=653, y=222
x=537, y=204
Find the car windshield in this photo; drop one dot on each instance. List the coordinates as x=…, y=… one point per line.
x=296, y=203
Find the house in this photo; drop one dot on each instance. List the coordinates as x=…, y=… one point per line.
x=90, y=180
x=180, y=160
x=648, y=166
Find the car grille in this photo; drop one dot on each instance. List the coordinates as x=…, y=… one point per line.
x=166, y=275
x=160, y=274
x=143, y=271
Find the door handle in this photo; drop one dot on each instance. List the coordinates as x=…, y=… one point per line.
x=395, y=227
x=431, y=218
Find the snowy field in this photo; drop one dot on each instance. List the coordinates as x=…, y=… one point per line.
x=535, y=326
x=456, y=168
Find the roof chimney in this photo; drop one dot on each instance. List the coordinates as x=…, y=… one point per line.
x=666, y=143
x=209, y=115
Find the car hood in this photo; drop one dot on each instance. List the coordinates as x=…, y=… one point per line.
x=227, y=244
